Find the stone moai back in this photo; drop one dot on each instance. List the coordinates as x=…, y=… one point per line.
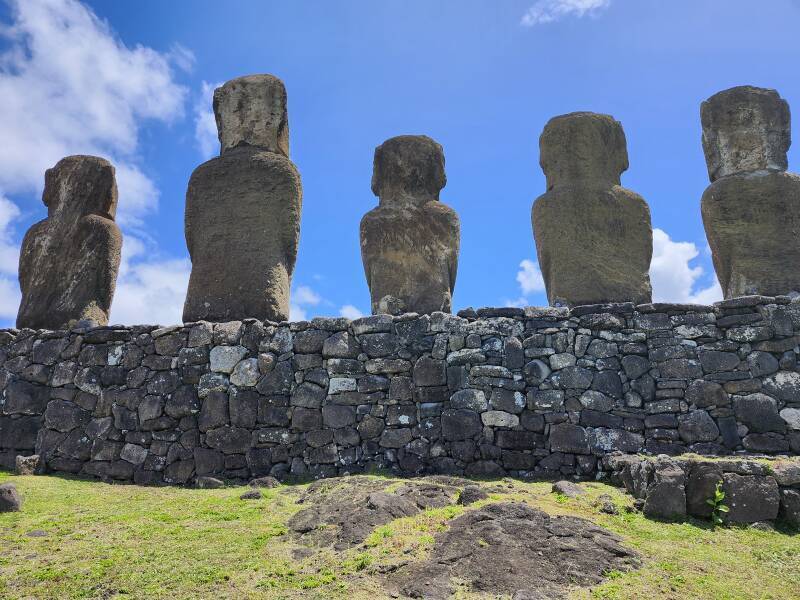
x=69, y=262
x=410, y=241
x=751, y=210
x=593, y=237
x=243, y=209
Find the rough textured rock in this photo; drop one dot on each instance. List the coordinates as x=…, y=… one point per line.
x=410, y=242
x=29, y=465
x=751, y=498
x=512, y=549
x=243, y=209
x=10, y=500
x=666, y=494
x=344, y=512
x=69, y=262
x=593, y=237
x=751, y=210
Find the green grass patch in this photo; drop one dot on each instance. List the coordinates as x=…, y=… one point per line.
x=123, y=541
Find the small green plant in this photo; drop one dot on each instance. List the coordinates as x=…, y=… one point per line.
x=717, y=507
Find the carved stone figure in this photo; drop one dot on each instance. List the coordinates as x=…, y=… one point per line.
x=243, y=209
x=69, y=262
x=410, y=241
x=751, y=210
x=593, y=237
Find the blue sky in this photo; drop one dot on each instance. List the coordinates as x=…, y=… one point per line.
x=132, y=81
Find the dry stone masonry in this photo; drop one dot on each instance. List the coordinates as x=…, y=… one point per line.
x=677, y=487
x=533, y=392
x=69, y=262
x=751, y=210
x=410, y=242
x=593, y=237
x=243, y=209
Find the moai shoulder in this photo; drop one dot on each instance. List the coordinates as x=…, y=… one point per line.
x=69, y=261
x=410, y=241
x=751, y=210
x=593, y=237
x=242, y=221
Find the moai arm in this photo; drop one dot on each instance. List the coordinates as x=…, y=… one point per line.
x=26, y=267
x=105, y=234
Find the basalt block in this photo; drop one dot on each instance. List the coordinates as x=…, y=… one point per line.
x=410, y=242
x=243, y=209
x=751, y=210
x=594, y=238
x=69, y=262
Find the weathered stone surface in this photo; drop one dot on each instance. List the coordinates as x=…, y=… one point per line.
x=759, y=412
x=69, y=262
x=701, y=485
x=507, y=550
x=410, y=242
x=790, y=507
x=752, y=206
x=243, y=209
x=593, y=237
x=751, y=498
x=10, y=500
x=697, y=426
x=666, y=494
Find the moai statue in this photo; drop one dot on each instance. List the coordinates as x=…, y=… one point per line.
x=593, y=237
x=410, y=241
x=69, y=262
x=243, y=209
x=751, y=210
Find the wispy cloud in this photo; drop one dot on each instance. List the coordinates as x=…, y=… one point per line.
x=548, y=11
x=348, y=311
x=70, y=85
x=205, y=125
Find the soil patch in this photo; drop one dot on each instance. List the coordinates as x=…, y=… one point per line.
x=514, y=549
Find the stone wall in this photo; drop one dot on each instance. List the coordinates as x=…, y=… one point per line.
x=489, y=392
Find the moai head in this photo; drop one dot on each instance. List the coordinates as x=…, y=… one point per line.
x=584, y=148
x=251, y=111
x=408, y=168
x=78, y=186
x=745, y=129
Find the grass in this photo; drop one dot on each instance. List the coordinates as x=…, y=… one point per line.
x=124, y=541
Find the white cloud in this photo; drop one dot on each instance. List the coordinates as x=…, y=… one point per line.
x=70, y=86
x=149, y=291
x=9, y=250
x=672, y=276
x=530, y=277
x=348, y=311
x=530, y=281
x=302, y=299
x=205, y=125
x=548, y=11
x=9, y=261
x=305, y=295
